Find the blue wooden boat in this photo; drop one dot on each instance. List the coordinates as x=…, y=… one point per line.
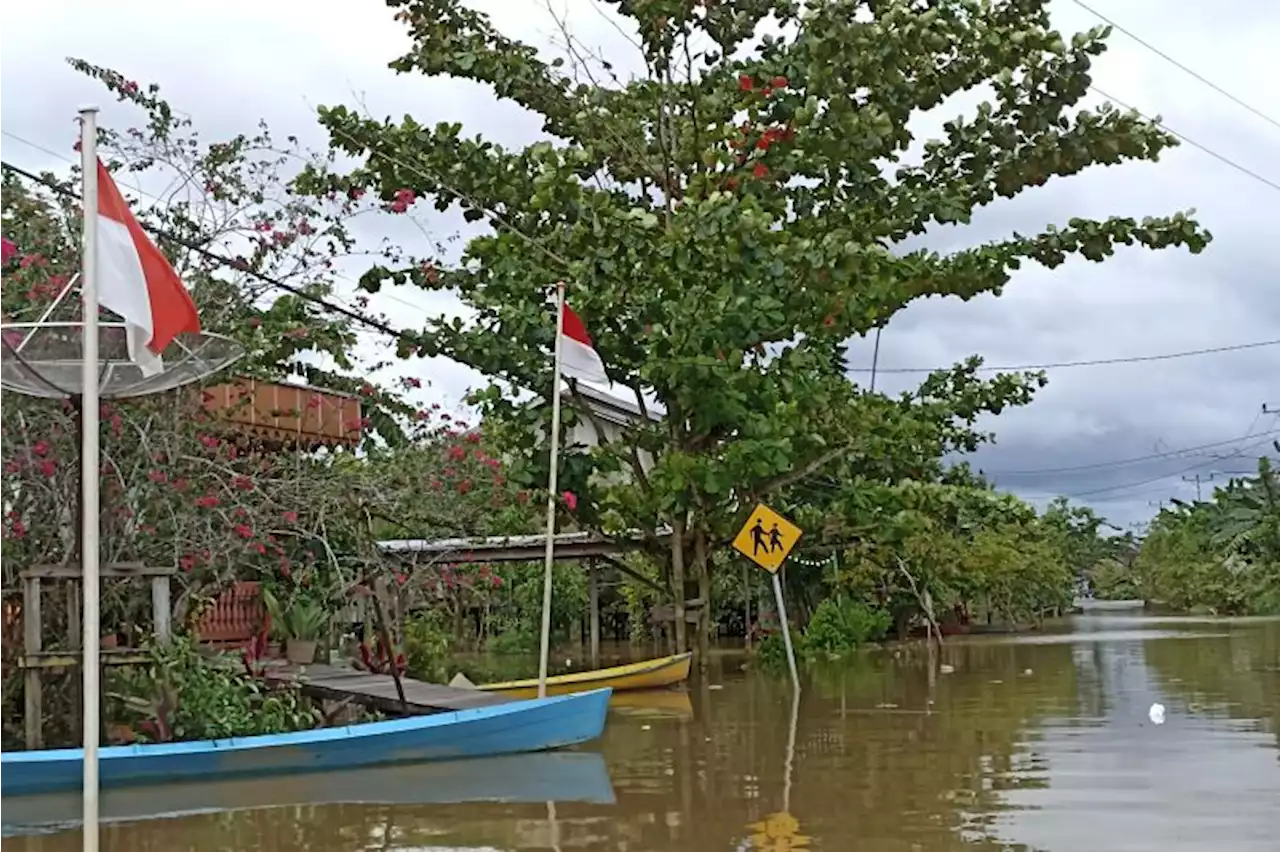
x=511, y=728
x=563, y=776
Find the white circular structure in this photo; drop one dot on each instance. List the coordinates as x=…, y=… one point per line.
x=44, y=359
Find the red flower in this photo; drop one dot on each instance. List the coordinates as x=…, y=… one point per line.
x=13, y=466
x=495, y=581
x=40, y=448
x=436, y=485
x=457, y=453
x=404, y=198
x=761, y=170
x=244, y=483
x=244, y=530
x=780, y=82
x=355, y=193
x=400, y=579
x=473, y=437
x=209, y=441
x=570, y=500
x=260, y=547
x=207, y=501
x=290, y=516
x=187, y=562
x=744, y=83
x=48, y=467
x=464, y=486
x=8, y=249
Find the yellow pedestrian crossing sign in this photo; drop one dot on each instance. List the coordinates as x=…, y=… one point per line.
x=767, y=538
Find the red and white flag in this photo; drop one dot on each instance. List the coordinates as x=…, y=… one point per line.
x=579, y=359
x=137, y=282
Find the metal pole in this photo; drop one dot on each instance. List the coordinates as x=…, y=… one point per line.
x=875, y=358
x=786, y=630
x=545, y=641
x=89, y=472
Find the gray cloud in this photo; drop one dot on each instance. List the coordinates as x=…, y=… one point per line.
x=280, y=60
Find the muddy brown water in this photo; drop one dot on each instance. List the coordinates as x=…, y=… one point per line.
x=1040, y=742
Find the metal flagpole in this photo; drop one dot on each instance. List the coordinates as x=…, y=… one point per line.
x=545, y=643
x=89, y=471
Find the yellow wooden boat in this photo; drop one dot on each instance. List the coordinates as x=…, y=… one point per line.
x=646, y=674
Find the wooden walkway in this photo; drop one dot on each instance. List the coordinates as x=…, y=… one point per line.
x=378, y=691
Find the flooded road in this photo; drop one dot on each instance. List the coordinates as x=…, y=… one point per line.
x=1044, y=742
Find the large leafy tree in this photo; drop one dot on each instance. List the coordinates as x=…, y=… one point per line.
x=728, y=217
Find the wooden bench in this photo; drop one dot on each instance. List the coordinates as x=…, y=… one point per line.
x=235, y=617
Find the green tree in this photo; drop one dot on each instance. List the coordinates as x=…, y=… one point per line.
x=732, y=214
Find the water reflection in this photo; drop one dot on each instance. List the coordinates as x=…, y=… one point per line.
x=1040, y=744
x=1206, y=778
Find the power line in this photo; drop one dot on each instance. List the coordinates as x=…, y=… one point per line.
x=1133, y=460
x=353, y=315
x=52, y=153
x=1174, y=62
x=1125, y=486
x=1096, y=362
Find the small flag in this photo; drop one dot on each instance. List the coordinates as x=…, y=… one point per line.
x=579, y=359
x=137, y=282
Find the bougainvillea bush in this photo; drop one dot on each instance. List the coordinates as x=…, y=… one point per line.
x=180, y=486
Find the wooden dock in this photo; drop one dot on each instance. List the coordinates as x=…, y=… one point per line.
x=378, y=691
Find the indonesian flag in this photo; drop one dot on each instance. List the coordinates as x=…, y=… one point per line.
x=137, y=282
x=579, y=359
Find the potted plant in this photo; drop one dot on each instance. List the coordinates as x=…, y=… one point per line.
x=302, y=618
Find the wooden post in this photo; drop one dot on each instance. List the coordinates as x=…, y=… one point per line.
x=31, y=644
x=161, y=608
x=593, y=594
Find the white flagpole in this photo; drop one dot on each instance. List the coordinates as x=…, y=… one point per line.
x=89, y=471
x=545, y=643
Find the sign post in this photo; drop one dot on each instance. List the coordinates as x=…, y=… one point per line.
x=767, y=539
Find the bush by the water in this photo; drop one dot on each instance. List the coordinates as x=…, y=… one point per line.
x=840, y=625
x=184, y=694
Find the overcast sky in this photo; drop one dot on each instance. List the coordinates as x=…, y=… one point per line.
x=231, y=63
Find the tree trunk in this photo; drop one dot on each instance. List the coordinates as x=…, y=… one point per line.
x=703, y=566
x=677, y=581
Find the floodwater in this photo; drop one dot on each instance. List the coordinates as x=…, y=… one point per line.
x=1045, y=742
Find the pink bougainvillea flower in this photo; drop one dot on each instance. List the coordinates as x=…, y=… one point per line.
x=209, y=441
x=8, y=248
x=40, y=448
x=401, y=579
x=207, y=501
x=244, y=483
x=187, y=562
x=48, y=467
x=570, y=500
x=244, y=530
x=290, y=516
x=464, y=486
x=404, y=198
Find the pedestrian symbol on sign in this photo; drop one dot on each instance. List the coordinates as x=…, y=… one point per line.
x=767, y=538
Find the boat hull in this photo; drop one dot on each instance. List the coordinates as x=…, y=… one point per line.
x=520, y=726
x=647, y=674
x=538, y=777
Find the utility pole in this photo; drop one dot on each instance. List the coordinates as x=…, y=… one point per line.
x=1197, y=479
